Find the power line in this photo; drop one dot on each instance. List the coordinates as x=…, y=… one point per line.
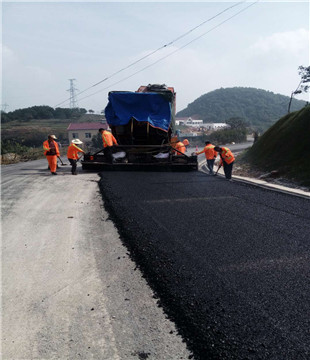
x=155, y=51
x=169, y=44
x=173, y=52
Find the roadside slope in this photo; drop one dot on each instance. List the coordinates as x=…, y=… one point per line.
x=285, y=147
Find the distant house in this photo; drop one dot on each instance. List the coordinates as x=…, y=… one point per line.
x=216, y=126
x=188, y=121
x=84, y=131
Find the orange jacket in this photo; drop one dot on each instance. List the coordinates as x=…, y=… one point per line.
x=46, y=148
x=227, y=156
x=209, y=152
x=73, y=151
x=181, y=147
x=108, y=139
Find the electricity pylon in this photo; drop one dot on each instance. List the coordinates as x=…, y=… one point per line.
x=72, y=90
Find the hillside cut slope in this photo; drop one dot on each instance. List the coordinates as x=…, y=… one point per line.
x=260, y=108
x=285, y=147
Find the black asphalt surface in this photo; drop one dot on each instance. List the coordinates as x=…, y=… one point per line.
x=229, y=262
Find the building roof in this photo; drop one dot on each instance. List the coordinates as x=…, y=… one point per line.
x=187, y=118
x=87, y=126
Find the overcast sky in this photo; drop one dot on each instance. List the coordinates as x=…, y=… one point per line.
x=47, y=43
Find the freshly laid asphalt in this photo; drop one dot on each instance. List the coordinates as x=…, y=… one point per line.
x=229, y=262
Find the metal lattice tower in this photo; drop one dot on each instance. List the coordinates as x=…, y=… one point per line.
x=72, y=90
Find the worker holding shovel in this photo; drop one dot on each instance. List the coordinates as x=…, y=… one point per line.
x=72, y=154
x=51, y=151
x=227, y=160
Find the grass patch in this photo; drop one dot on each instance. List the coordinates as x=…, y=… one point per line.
x=284, y=147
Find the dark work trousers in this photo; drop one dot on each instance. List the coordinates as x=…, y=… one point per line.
x=228, y=169
x=73, y=163
x=108, y=153
x=210, y=164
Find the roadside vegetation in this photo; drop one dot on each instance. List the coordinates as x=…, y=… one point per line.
x=284, y=148
x=24, y=130
x=13, y=152
x=41, y=112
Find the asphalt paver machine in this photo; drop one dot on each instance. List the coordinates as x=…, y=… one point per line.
x=143, y=123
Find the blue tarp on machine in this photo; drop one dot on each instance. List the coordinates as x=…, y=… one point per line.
x=151, y=107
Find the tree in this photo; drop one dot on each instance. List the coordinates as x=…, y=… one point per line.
x=91, y=111
x=304, y=72
x=237, y=123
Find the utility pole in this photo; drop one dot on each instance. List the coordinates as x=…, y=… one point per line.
x=72, y=90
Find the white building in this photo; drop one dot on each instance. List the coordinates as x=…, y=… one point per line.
x=84, y=131
x=215, y=126
x=188, y=121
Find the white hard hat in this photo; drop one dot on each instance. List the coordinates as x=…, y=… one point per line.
x=77, y=141
x=52, y=136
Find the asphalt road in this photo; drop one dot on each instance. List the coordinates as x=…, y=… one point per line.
x=69, y=289
x=228, y=261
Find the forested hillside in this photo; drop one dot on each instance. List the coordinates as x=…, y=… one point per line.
x=285, y=147
x=41, y=112
x=260, y=108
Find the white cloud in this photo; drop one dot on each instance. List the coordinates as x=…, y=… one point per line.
x=294, y=42
x=92, y=41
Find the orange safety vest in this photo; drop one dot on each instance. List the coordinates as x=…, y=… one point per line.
x=73, y=151
x=227, y=156
x=181, y=147
x=46, y=148
x=108, y=139
x=209, y=152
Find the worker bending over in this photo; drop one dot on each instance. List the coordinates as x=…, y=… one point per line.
x=227, y=160
x=108, y=142
x=210, y=155
x=51, y=151
x=73, y=155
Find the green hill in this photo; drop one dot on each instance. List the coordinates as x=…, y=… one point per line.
x=260, y=108
x=285, y=147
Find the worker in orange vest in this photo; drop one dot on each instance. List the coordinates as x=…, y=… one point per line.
x=73, y=155
x=210, y=155
x=227, y=160
x=51, y=151
x=108, y=142
x=180, y=147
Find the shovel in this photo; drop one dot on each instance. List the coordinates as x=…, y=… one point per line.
x=62, y=164
x=217, y=170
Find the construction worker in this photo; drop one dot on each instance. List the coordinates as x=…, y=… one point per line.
x=210, y=155
x=227, y=160
x=108, y=142
x=51, y=151
x=186, y=143
x=73, y=155
x=180, y=147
